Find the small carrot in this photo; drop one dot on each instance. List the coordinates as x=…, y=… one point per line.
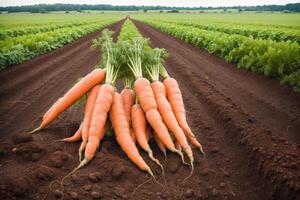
x=169, y=118
x=78, y=90
x=75, y=137
x=94, y=141
x=89, y=107
x=122, y=132
x=147, y=101
x=128, y=97
x=139, y=125
x=175, y=99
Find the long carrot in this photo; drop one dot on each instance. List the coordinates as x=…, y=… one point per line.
x=122, y=132
x=169, y=118
x=94, y=141
x=89, y=107
x=175, y=98
x=78, y=90
x=48, y=111
x=139, y=125
x=128, y=97
x=146, y=97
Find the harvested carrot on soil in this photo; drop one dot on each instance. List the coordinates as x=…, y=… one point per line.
x=139, y=124
x=174, y=96
x=89, y=107
x=78, y=90
x=76, y=136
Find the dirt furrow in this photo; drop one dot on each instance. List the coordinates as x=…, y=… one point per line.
x=274, y=155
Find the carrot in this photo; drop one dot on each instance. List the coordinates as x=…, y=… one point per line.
x=145, y=94
x=169, y=118
x=89, y=107
x=128, y=98
x=75, y=137
x=103, y=103
x=78, y=90
x=94, y=141
x=177, y=145
x=48, y=111
x=175, y=99
x=160, y=145
x=122, y=132
x=139, y=125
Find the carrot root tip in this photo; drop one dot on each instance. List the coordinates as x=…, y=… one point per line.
x=182, y=157
x=35, y=130
x=191, y=173
x=150, y=154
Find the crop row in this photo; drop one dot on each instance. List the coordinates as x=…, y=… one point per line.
x=276, y=59
x=16, y=50
x=24, y=30
x=249, y=31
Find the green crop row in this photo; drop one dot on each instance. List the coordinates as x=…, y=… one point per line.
x=16, y=50
x=255, y=32
x=276, y=59
x=128, y=31
x=24, y=30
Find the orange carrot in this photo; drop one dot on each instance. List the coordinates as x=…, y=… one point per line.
x=145, y=94
x=122, y=132
x=160, y=145
x=48, y=111
x=169, y=118
x=99, y=116
x=94, y=141
x=89, y=107
x=78, y=90
x=128, y=98
x=175, y=99
x=139, y=125
x=75, y=137
x=177, y=145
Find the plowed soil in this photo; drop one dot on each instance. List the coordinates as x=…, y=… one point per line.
x=248, y=124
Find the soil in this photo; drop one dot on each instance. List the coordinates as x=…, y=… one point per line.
x=248, y=124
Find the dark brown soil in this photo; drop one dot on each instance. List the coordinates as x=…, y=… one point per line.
x=248, y=125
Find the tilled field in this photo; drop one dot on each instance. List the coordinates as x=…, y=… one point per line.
x=248, y=124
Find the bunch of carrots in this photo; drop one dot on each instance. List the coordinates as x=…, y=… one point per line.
x=145, y=108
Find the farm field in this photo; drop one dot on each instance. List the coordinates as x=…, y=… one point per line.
x=25, y=36
x=247, y=123
x=272, y=50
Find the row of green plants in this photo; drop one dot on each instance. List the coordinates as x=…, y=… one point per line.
x=16, y=50
x=249, y=31
x=30, y=29
x=275, y=59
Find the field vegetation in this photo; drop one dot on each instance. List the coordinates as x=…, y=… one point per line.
x=261, y=46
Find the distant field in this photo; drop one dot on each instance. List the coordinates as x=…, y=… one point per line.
x=276, y=19
x=61, y=17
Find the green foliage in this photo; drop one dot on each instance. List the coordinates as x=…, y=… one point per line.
x=293, y=80
x=15, y=50
x=276, y=59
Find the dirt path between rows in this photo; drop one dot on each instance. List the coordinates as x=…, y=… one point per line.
x=236, y=114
